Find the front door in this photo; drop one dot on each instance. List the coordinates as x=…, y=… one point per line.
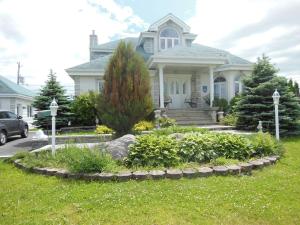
x=178, y=89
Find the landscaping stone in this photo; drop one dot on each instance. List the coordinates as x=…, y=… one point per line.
x=220, y=170
x=234, y=169
x=266, y=162
x=277, y=157
x=174, y=174
x=205, y=171
x=118, y=148
x=157, y=174
x=246, y=168
x=76, y=176
x=39, y=170
x=105, y=176
x=50, y=171
x=257, y=164
x=62, y=173
x=140, y=175
x=272, y=159
x=190, y=173
x=124, y=176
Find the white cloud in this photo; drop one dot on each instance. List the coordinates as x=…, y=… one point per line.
x=56, y=34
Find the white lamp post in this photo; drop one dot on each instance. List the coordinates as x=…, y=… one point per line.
x=276, y=97
x=53, y=109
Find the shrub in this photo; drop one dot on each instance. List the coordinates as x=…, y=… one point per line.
x=84, y=109
x=153, y=150
x=143, y=126
x=222, y=161
x=178, y=129
x=166, y=122
x=221, y=103
x=205, y=147
x=265, y=144
x=126, y=93
x=229, y=119
x=102, y=129
x=79, y=160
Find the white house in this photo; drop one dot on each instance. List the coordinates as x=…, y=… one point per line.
x=16, y=98
x=185, y=76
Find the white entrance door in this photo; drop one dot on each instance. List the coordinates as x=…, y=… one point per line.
x=178, y=88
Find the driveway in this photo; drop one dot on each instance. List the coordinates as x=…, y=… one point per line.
x=16, y=144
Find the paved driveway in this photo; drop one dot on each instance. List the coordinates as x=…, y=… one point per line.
x=16, y=144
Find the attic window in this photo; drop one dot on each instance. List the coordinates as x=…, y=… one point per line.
x=168, y=38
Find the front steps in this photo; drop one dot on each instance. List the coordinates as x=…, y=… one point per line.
x=191, y=117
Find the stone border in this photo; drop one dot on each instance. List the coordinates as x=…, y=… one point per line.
x=239, y=169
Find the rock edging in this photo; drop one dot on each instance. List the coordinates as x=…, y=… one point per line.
x=239, y=169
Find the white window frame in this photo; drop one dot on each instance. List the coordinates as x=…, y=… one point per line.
x=163, y=45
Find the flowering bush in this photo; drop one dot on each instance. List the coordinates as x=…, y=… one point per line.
x=102, y=129
x=142, y=126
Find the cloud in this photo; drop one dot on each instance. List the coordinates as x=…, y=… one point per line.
x=250, y=28
x=55, y=34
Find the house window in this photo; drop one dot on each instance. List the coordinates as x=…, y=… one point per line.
x=168, y=38
x=220, y=88
x=177, y=88
x=237, y=85
x=184, y=88
x=100, y=85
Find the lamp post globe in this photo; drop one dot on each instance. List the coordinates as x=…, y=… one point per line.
x=276, y=97
x=53, y=107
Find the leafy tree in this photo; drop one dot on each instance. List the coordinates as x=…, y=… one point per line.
x=256, y=103
x=84, y=109
x=51, y=90
x=126, y=92
x=294, y=87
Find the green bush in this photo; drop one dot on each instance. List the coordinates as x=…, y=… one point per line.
x=221, y=103
x=178, y=129
x=152, y=150
x=229, y=120
x=265, y=144
x=205, y=147
x=78, y=160
x=102, y=129
x=166, y=122
x=222, y=161
x=143, y=126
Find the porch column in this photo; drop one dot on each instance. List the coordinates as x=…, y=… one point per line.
x=211, y=85
x=161, y=86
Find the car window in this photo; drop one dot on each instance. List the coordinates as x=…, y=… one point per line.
x=3, y=115
x=12, y=115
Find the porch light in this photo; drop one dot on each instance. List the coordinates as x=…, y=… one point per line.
x=276, y=97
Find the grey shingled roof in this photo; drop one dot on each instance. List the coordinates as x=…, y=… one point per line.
x=9, y=87
x=113, y=44
x=96, y=64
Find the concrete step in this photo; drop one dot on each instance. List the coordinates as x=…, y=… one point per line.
x=197, y=122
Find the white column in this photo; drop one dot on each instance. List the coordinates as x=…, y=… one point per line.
x=161, y=86
x=211, y=85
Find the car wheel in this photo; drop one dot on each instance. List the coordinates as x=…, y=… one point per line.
x=24, y=133
x=3, y=137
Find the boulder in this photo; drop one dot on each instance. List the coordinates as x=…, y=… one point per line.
x=118, y=148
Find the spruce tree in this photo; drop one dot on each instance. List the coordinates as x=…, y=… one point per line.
x=51, y=90
x=256, y=102
x=126, y=93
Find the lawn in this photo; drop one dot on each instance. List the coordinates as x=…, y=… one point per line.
x=270, y=196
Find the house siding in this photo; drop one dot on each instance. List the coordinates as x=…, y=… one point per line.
x=148, y=45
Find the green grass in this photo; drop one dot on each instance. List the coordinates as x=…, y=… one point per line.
x=270, y=196
x=92, y=132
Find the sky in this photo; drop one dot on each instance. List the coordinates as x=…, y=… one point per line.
x=54, y=34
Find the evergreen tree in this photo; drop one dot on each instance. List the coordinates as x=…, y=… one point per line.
x=257, y=102
x=51, y=90
x=126, y=93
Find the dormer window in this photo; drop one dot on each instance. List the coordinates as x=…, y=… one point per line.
x=168, y=38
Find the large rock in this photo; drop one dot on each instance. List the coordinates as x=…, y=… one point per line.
x=118, y=148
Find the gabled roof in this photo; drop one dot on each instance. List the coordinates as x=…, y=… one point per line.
x=9, y=87
x=93, y=65
x=170, y=16
x=113, y=44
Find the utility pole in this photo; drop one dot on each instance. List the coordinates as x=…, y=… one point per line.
x=18, y=78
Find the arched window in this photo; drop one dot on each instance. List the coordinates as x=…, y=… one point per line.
x=220, y=87
x=168, y=38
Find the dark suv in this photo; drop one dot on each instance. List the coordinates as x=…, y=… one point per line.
x=10, y=125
